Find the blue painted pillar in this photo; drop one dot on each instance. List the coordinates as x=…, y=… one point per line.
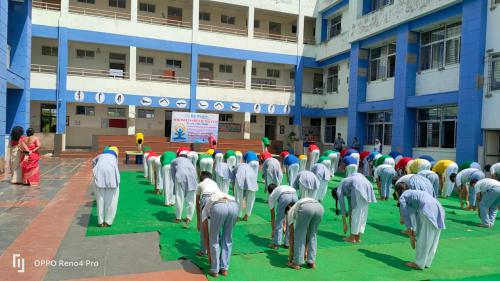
x=358, y=77
x=19, y=38
x=3, y=75
x=403, y=118
x=62, y=71
x=470, y=93
x=324, y=30
x=194, y=78
x=299, y=76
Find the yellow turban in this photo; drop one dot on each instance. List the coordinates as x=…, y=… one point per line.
x=302, y=157
x=139, y=138
x=210, y=151
x=115, y=149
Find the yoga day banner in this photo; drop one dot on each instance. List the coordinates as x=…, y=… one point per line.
x=189, y=127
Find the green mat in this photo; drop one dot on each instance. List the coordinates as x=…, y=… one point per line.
x=465, y=251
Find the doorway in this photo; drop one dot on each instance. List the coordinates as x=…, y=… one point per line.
x=117, y=64
x=491, y=147
x=270, y=127
x=168, y=123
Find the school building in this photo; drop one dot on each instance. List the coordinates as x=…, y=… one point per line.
x=421, y=76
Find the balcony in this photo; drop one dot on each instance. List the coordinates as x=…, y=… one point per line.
x=315, y=91
x=41, y=68
x=276, y=88
x=223, y=29
x=278, y=37
x=162, y=78
x=46, y=5
x=99, y=13
x=105, y=73
x=221, y=83
x=163, y=21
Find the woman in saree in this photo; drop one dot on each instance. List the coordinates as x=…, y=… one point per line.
x=16, y=150
x=29, y=164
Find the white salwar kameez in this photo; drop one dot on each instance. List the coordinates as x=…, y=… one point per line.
x=168, y=185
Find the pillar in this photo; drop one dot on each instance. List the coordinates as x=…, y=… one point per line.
x=246, y=126
x=131, y=120
x=358, y=77
x=324, y=30
x=133, y=10
x=299, y=76
x=248, y=74
x=317, y=35
x=61, y=95
x=300, y=29
x=3, y=78
x=403, y=120
x=65, y=7
x=194, y=56
x=470, y=93
x=251, y=20
x=133, y=63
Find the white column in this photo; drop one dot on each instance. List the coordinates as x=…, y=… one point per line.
x=64, y=7
x=248, y=74
x=246, y=126
x=133, y=63
x=300, y=28
x=131, y=120
x=196, y=18
x=322, y=130
x=317, y=35
x=133, y=10
x=251, y=20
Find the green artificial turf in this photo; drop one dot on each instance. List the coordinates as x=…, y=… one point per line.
x=466, y=251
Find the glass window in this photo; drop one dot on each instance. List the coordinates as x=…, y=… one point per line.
x=254, y=71
x=204, y=16
x=146, y=113
x=87, y=1
x=116, y=112
x=315, y=122
x=274, y=73
x=379, y=4
x=274, y=27
x=48, y=118
x=335, y=26
x=382, y=62
x=379, y=126
x=85, y=110
x=253, y=118
x=226, y=118
x=174, y=13
x=330, y=130
x=440, y=47
x=494, y=79
x=436, y=127
x=294, y=28
x=332, y=79
x=49, y=51
x=85, y=54
x=146, y=60
x=118, y=3
x=225, y=68
x=147, y=7
x=228, y=19
x=174, y=63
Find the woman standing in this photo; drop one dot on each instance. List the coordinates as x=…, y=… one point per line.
x=16, y=143
x=29, y=164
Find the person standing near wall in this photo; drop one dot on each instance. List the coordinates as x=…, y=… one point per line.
x=339, y=143
x=16, y=150
x=106, y=178
x=30, y=161
x=355, y=144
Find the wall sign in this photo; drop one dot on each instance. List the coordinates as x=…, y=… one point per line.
x=203, y=104
x=256, y=108
x=190, y=127
x=119, y=99
x=146, y=101
x=100, y=97
x=163, y=102
x=235, y=106
x=230, y=127
x=79, y=96
x=181, y=103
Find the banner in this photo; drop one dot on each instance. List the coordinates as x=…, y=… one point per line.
x=192, y=127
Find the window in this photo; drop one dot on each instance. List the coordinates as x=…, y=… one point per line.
x=254, y=71
x=290, y=120
x=116, y=112
x=147, y=7
x=146, y=113
x=225, y=68
x=48, y=118
x=440, y=47
x=174, y=63
x=146, y=60
x=226, y=118
x=253, y=118
x=496, y=2
x=204, y=16
x=87, y=1
x=85, y=54
x=294, y=28
x=49, y=51
x=330, y=130
x=256, y=23
x=494, y=65
x=292, y=75
x=382, y=62
x=85, y=110
x=275, y=73
x=118, y=3
x=379, y=4
x=318, y=84
x=315, y=122
x=332, y=79
x=335, y=26
x=379, y=126
x=436, y=127
x=228, y=19
x=174, y=13
x=274, y=28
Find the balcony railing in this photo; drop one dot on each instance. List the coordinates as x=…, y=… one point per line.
x=267, y=87
x=43, y=68
x=315, y=91
x=162, y=78
x=220, y=83
x=99, y=13
x=278, y=37
x=162, y=21
x=309, y=41
x=46, y=6
x=223, y=29
x=107, y=73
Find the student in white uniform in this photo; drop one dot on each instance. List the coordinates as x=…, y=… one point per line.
x=218, y=219
x=252, y=159
x=245, y=187
x=383, y=176
x=205, y=189
x=433, y=178
x=465, y=181
x=303, y=219
x=223, y=176
x=292, y=167
x=168, y=181
x=107, y=182
x=279, y=198
x=307, y=184
x=193, y=157
x=488, y=198
x=271, y=172
x=323, y=174
x=417, y=165
x=206, y=163
x=334, y=160
x=312, y=156
x=239, y=157
x=494, y=171
x=185, y=182
x=351, y=165
x=146, y=150
x=159, y=176
x=302, y=162
x=429, y=216
x=359, y=193
x=151, y=159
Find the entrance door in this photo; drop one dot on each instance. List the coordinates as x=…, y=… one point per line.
x=270, y=127
x=117, y=64
x=48, y=118
x=168, y=123
x=492, y=147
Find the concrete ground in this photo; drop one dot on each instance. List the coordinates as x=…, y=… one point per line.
x=49, y=224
